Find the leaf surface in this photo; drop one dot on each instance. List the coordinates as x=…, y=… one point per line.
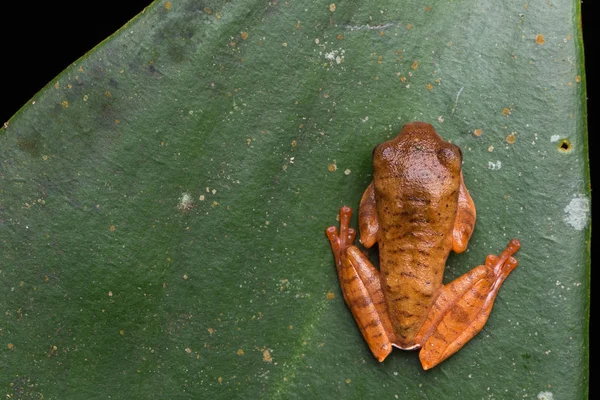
x=163, y=201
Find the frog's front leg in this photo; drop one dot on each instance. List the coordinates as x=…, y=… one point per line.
x=463, y=307
x=361, y=287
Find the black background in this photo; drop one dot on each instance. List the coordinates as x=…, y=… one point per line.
x=38, y=40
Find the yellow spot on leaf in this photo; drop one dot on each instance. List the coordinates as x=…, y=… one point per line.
x=208, y=11
x=340, y=37
x=108, y=94
x=294, y=143
x=188, y=350
x=429, y=86
x=332, y=167
x=506, y=111
x=220, y=379
x=403, y=79
x=511, y=138
x=10, y=346
x=491, y=148
x=330, y=295
x=121, y=332
x=348, y=380
x=332, y=7
x=381, y=33
x=478, y=132
x=211, y=331
x=539, y=39
x=57, y=85
x=578, y=79
x=267, y=356
x=244, y=35
x=415, y=65
x=240, y=352
x=427, y=8
x=65, y=104
x=409, y=26
x=168, y=5
x=112, y=228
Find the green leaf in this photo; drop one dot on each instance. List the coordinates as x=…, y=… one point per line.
x=163, y=201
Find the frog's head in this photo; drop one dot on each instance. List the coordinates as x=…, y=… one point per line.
x=418, y=146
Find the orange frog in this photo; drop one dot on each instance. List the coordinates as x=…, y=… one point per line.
x=416, y=209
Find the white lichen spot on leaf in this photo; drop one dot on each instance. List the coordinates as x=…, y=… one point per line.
x=335, y=56
x=494, y=165
x=577, y=212
x=185, y=202
x=545, y=396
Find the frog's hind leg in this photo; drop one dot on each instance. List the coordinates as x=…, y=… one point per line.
x=463, y=308
x=361, y=288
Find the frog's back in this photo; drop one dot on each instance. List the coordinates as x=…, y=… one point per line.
x=417, y=179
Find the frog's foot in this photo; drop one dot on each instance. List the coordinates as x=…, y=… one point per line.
x=344, y=238
x=463, y=308
x=361, y=287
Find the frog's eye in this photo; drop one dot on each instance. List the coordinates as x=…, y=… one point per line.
x=450, y=156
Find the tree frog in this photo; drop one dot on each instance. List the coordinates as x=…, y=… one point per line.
x=417, y=209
